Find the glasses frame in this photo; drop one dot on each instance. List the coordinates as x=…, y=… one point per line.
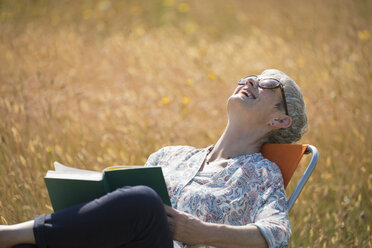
x=278, y=85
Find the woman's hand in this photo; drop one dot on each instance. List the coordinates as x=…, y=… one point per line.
x=190, y=230
x=185, y=227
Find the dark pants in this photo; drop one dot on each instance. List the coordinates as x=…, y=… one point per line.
x=128, y=217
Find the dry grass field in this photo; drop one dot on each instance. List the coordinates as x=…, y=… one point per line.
x=97, y=83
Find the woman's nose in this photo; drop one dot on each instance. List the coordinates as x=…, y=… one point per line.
x=252, y=82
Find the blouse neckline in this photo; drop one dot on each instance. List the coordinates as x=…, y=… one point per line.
x=255, y=156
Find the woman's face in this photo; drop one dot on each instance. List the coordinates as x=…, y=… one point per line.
x=255, y=103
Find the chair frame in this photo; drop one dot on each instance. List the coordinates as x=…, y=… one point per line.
x=310, y=168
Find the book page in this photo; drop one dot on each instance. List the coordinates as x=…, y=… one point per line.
x=63, y=168
x=74, y=175
x=65, y=172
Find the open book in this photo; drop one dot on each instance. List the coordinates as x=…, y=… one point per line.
x=69, y=186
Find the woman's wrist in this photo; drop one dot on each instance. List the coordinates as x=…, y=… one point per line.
x=222, y=235
x=209, y=233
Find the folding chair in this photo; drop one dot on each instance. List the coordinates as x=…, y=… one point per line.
x=287, y=157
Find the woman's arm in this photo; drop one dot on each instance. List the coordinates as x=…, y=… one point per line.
x=188, y=229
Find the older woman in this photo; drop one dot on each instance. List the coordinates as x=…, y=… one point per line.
x=225, y=195
x=234, y=196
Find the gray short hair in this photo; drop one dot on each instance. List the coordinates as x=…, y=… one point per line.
x=296, y=110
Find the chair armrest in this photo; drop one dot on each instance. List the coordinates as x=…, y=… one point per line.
x=314, y=160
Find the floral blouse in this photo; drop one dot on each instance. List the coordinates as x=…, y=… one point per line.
x=249, y=190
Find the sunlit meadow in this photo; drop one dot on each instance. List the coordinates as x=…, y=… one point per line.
x=98, y=83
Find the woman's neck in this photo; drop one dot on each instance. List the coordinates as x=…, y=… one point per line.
x=235, y=142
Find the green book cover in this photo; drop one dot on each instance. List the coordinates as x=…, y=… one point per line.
x=69, y=186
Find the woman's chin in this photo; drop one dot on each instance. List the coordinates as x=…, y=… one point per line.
x=237, y=101
x=237, y=106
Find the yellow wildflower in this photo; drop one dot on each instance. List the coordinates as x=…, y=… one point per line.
x=165, y=100
x=48, y=149
x=212, y=76
x=185, y=100
x=363, y=35
x=189, y=81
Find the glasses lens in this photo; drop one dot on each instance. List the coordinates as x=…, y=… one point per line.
x=269, y=83
x=243, y=81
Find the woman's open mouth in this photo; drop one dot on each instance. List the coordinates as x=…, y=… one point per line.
x=247, y=93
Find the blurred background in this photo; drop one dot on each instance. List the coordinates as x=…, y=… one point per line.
x=97, y=83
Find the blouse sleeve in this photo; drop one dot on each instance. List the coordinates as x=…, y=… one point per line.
x=272, y=219
x=155, y=157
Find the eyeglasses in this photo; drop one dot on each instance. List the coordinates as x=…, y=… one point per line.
x=267, y=83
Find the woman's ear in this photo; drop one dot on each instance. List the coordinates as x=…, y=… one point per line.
x=283, y=121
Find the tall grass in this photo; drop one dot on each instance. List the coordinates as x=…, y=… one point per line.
x=97, y=83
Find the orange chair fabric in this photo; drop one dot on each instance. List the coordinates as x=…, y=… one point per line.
x=286, y=156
